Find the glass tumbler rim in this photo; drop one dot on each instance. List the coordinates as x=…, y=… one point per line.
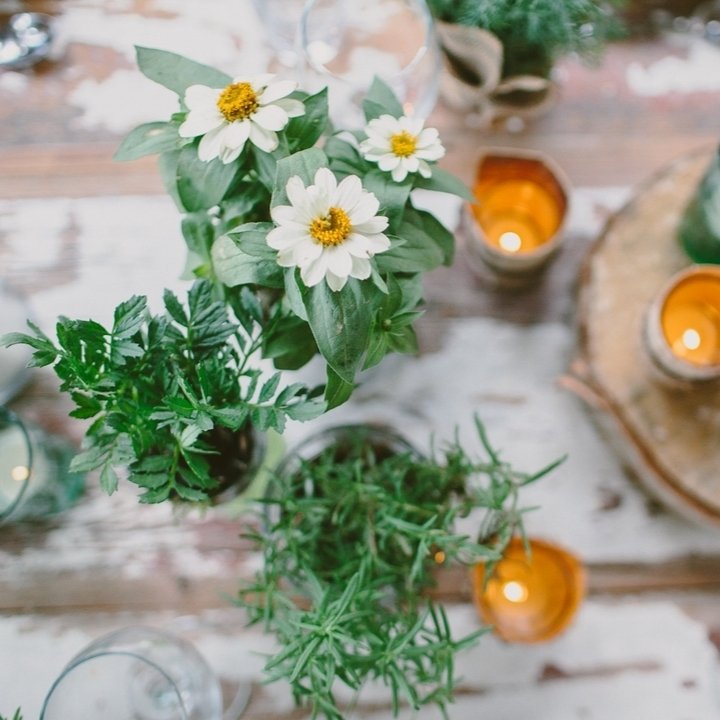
x=82, y=659
x=428, y=40
x=8, y=418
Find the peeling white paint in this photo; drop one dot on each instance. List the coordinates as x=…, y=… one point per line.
x=636, y=660
x=698, y=72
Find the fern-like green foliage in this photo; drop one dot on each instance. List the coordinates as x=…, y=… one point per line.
x=16, y=716
x=357, y=532
x=165, y=391
x=534, y=33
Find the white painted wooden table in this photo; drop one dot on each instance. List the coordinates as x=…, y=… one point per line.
x=79, y=233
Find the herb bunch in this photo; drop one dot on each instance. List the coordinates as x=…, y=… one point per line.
x=535, y=33
x=16, y=716
x=351, y=541
x=164, y=390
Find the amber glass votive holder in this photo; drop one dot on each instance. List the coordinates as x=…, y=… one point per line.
x=682, y=327
x=531, y=596
x=515, y=225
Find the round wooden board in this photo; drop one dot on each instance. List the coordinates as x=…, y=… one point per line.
x=670, y=437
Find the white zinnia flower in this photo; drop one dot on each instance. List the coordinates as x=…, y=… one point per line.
x=329, y=230
x=245, y=110
x=401, y=146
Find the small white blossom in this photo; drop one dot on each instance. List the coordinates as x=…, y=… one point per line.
x=401, y=146
x=330, y=230
x=248, y=109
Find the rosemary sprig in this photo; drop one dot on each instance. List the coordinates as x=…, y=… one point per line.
x=350, y=542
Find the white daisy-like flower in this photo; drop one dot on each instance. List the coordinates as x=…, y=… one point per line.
x=330, y=230
x=248, y=109
x=401, y=146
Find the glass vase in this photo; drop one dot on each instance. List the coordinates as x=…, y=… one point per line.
x=346, y=44
x=35, y=480
x=699, y=229
x=137, y=673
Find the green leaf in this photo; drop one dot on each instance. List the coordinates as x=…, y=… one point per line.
x=199, y=233
x=128, y=317
x=381, y=100
x=175, y=309
x=340, y=323
x=167, y=165
x=344, y=158
x=393, y=196
x=235, y=267
x=293, y=293
x=445, y=182
x=148, y=139
x=269, y=388
x=432, y=227
x=337, y=390
x=304, y=131
x=202, y=185
x=290, y=344
x=108, y=479
x=177, y=73
x=89, y=459
x=418, y=253
x=303, y=164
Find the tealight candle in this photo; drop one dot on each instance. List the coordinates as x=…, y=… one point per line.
x=516, y=223
x=682, y=327
x=530, y=597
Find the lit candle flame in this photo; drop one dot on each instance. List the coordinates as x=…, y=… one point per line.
x=510, y=242
x=515, y=592
x=691, y=339
x=20, y=473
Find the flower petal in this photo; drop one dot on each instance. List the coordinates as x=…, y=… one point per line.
x=388, y=162
x=338, y=260
x=433, y=152
x=375, y=243
x=348, y=193
x=410, y=163
x=271, y=117
x=314, y=272
x=294, y=108
x=334, y=282
x=356, y=246
x=326, y=182
x=361, y=268
x=424, y=168
x=276, y=90
x=198, y=123
x=230, y=154
x=399, y=173
x=259, y=82
x=373, y=226
x=264, y=139
x=201, y=97
x=236, y=134
x=283, y=238
x=211, y=144
x=365, y=209
x=307, y=251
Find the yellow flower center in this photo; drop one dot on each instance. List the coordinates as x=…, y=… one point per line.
x=332, y=229
x=237, y=101
x=403, y=144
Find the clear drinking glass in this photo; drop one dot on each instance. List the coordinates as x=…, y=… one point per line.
x=35, y=480
x=346, y=43
x=281, y=19
x=137, y=673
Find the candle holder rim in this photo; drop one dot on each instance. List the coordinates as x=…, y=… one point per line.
x=676, y=368
x=572, y=569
